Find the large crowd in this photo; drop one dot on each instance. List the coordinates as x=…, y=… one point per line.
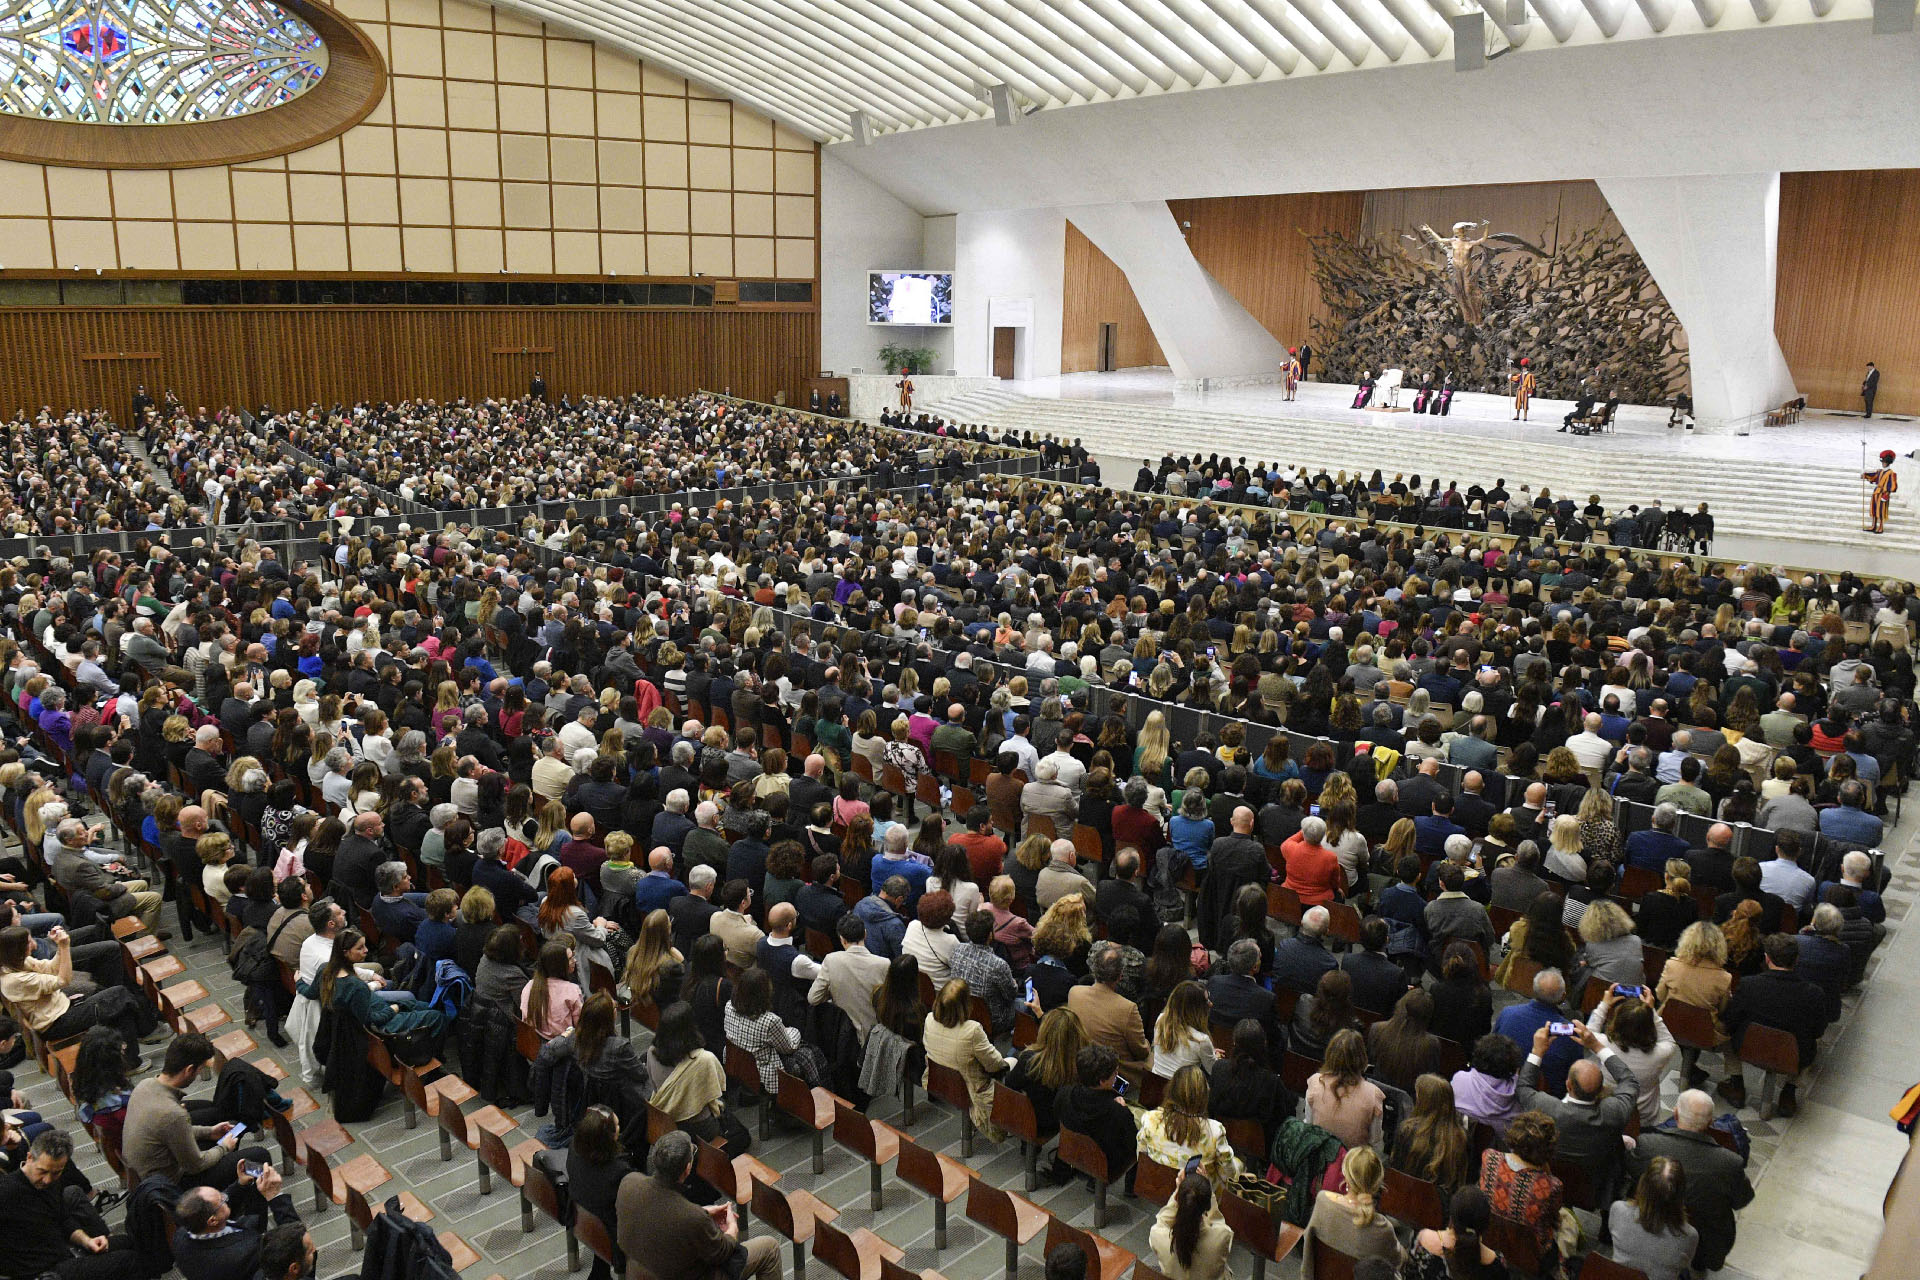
x=765, y=775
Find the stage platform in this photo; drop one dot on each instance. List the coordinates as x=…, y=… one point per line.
x=1787, y=494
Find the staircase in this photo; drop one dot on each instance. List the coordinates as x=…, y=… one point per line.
x=1776, y=501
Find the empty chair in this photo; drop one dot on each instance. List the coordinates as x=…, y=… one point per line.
x=793, y=1215
x=940, y=1176
x=872, y=1141
x=855, y=1255
x=1254, y=1227
x=1013, y=1112
x=812, y=1107
x=1013, y=1218
x=732, y=1178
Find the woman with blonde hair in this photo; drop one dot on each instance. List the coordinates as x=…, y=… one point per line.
x=1181, y=1129
x=1564, y=861
x=1610, y=951
x=1047, y=1065
x=957, y=1041
x=1152, y=747
x=1697, y=974
x=655, y=970
x=1599, y=834
x=1180, y=1036
x=215, y=851
x=1350, y=1222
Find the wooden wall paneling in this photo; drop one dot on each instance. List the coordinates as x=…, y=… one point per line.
x=1095, y=292
x=295, y=356
x=1848, y=274
x=1529, y=209
x=1254, y=246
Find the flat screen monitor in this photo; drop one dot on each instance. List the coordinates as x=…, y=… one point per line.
x=910, y=297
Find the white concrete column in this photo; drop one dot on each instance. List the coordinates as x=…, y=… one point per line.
x=1710, y=243
x=1206, y=334
x=1008, y=265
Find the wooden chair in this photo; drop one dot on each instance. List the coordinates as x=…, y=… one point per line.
x=950, y=1087
x=1775, y=1052
x=1296, y=1070
x=1283, y=904
x=1013, y=1112
x=1254, y=1227
x=330, y=1185
x=360, y=1213
x=1153, y=1181
x=1105, y=1259
x=1080, y=1152
x=457, y=1126
x=732, y=1177
x=940, y=1176
x=1013, y=1218
x=1248, y=1138
x=326, y=1137
x=855, y=1255
x=1520, y=975
x=813, y=1107
x=1577, y=1189
x=744, y=1071
x=1026, y=1029
x=1331, y=1264
x=1515, y=1243
x=1412, y=1200
x=1600, y=1267
x=539, y=1190
x=511, y=1164
x=1087, y=845
x=872, y=1141
x=793, y=1216
x=1690, y=1024
x=590, y=1231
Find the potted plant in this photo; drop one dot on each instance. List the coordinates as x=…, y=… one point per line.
x=899, y=358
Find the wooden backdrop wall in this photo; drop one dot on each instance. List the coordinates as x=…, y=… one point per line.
x=1254, y=247
x=1849, y=271
x=1095, y=292
x=282, y=356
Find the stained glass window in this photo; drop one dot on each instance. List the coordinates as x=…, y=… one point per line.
x=153, y=61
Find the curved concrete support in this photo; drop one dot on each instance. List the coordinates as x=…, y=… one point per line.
x=1710, y=243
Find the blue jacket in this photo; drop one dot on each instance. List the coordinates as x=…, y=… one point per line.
x=885, y=929
x=1650, y=849
x=915, y=872
x=1518, y=1023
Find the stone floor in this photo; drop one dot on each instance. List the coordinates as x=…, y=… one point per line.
x=1820, y=1176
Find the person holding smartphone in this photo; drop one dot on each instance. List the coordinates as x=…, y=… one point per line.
x=220, y=1233
x=161, y=1136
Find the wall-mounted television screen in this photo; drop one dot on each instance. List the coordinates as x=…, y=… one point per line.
x=910, y=297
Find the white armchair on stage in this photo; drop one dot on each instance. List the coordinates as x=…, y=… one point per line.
x=1389, y=388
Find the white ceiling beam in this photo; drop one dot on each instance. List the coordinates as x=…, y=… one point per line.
x=798, y=30
x=1041, y=27
x=1335, y=26
x=1558, y=15
x=1050, y=79
x=1658, y=13
x=1368, y=16
x=1710, y=11
x=666, y=47
x=1421, y=24
x=957, y=68
x=1765, y=9
x=1100, y=32
x=1258, y=33
x=1183, y=37
x=1508, y=15
x=883, y=43
x=968, y=58
x=839, y=82
x=1607, y=15
x=1142, y=33
x=1281, y=17
x=1222, y=36
x=1821, y=8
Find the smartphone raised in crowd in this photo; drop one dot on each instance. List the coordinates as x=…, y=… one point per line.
x=1559, y=1028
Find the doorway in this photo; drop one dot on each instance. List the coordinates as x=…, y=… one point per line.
x=1109, y=347
x=1003, y=341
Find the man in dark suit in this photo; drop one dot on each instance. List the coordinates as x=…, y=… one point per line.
x=1870, y=387
x=1713, y=863
x=1588, y=1122
x=807, y=790
x=1717, y=1183
x=1418, y=793
x=1299, y=961
x=1746, y=885
x=1378, y=983
x=1651, y=848
x=1470, y=808
x=692, y=912
x=1123, y=905
x=1780, y=998
x=219, y=1234
x=1235, y=860
x=1236, y=994
x=236, y=711
x=659, y=1228
x=362, y=850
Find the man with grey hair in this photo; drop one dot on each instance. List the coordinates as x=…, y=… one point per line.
x=1299, y=961
x=77, y=874
x=1590, y=1122
x=1638, y=783
x=579, y=734
x=671, y=1237
x=1518, y=1022
x=692, y=912
x=706, y=842
x=551, y=772
x=397, y=909
x=1109, y=1018
x=201, y=766
x=473, y=739
x=671, y=824
x=1235, y=993
x=513, y=897
x=1045, y=797
x=1059, y=877
x=433, y=845
x=1716, y=1177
